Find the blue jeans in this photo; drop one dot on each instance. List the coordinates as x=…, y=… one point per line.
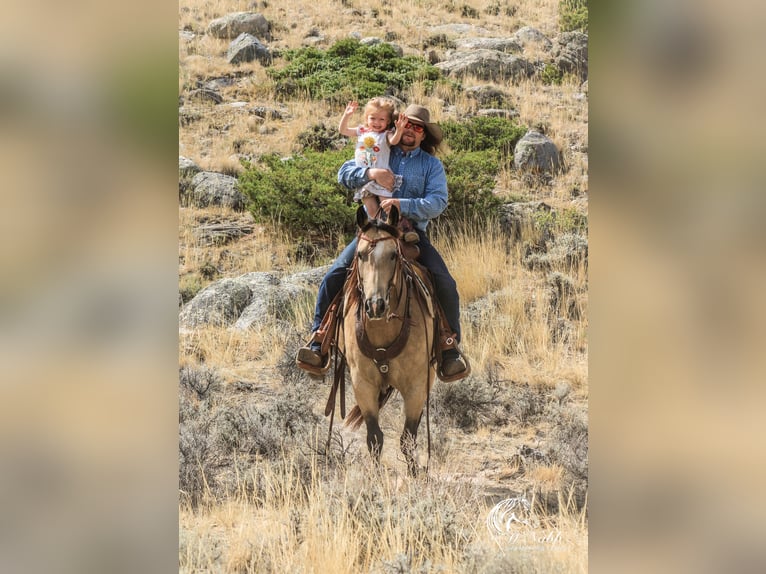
x=444, y=284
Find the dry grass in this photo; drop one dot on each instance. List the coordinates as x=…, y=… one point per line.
x=302, y=513
x=369, y=521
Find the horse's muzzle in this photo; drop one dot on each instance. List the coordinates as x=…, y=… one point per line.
x=375, y=307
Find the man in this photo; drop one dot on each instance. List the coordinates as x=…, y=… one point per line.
x=421, y=197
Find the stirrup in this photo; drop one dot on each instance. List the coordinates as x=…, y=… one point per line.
x=319, y=371
x=450, y=342
x=457, y=376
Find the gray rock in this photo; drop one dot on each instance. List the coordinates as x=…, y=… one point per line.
x=187, y=168
x=218, y=304
x=486, y=65
x=246, y=48
x=528, y=35
x=211, y=188
x=232, y=25
x=243, y=302
x=270, y=300
x=537, y=153
x=205, y=95
x=570, y=54
x=310, y=278
x=507, y=45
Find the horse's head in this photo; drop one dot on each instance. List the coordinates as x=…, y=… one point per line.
x=377, y=259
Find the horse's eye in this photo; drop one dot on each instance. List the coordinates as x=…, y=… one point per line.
x=362, y=256
x=393, y=255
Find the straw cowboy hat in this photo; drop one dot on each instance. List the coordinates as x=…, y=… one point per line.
x=420, y=115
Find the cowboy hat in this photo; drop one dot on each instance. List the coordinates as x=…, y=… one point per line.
x=420, y=115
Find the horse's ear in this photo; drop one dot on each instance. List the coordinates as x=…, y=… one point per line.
x=393, y=216
x=361, y=216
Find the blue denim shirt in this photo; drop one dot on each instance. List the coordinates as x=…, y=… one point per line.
x=423, y=194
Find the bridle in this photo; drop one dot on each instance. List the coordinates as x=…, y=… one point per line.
x=382, y=355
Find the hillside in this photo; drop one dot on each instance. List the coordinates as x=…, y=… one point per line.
x=259, y=491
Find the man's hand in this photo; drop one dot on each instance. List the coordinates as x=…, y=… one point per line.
x=386, y=203
x=384, y=177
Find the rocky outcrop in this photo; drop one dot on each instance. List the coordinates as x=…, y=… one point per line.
x=570, y=54
x=211, y=188
x=507, y=45
x=246, y=48
x=487, y=65
x=249, y=300
x=532, y=36
x=232, y=25
x=537, y=153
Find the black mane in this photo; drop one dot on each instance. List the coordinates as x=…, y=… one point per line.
x=381, y=226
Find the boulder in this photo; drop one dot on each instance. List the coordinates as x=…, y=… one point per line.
x=205, y=95
x=487, y=65
x=244, y=302
x=537, y=153
x=507, y=45
x=232, y=25
x=570, y=54
x=246, y=48
x=219, y=304
x=187, y=169
x=211, y=188
x=528, y=35
x=271, y=298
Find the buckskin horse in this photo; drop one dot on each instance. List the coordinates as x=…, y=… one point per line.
x=388, y=326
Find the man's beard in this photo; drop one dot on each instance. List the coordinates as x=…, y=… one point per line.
x=408, y=140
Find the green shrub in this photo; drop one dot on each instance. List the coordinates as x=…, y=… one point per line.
x=551, y=74
x=483, y=133
x=349, y=70
x=302, y=192
x=573, y=15
x=188, y=286
x=471, y=181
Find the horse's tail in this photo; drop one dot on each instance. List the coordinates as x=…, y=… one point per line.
x=354, y=418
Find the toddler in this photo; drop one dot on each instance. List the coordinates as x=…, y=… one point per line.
x=373, y=147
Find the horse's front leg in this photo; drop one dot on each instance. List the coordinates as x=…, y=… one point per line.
x=367, y=394
x=408, y=442
x=374, y=437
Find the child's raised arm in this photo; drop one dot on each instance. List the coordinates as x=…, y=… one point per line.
x=399, y=123
x=343, y=128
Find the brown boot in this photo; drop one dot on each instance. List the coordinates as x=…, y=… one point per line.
x=311, y=360
x=453, y=365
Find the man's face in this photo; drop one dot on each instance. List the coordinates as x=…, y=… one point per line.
x=411, y=138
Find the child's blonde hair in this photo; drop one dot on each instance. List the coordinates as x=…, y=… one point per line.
x=381, y=103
